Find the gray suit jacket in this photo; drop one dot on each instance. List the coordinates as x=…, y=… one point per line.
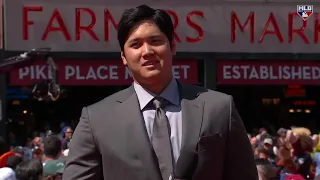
x=111, y=142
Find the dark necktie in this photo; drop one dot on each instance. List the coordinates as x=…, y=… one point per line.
x=161, y=139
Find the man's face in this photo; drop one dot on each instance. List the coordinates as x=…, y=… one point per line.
x=263, y=155
x=253, y=141
x=148, y=54
x=267, y=146
x=68, y=133
x=37, y=141
x=283, y=134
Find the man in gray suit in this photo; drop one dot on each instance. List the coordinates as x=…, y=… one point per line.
x=158, y=128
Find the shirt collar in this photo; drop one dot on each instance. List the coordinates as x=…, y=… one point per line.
x=170, y=93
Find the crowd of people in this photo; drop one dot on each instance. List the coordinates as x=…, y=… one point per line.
x=42, y=158
x=189, y=132
x=291, y=154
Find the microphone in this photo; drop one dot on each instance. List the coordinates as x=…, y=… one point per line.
x=22, y=60
x=47, y=90
x=14, y=62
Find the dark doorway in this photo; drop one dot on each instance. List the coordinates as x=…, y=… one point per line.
x=269, y=106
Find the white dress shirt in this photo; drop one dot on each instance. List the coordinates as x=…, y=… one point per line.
x=173, y=112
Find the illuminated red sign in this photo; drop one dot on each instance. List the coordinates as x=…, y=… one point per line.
x=270, y=72
x=305, y=103
x=95, y=72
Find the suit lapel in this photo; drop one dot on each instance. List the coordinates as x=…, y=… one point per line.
x=129, y=112
x=192, y=116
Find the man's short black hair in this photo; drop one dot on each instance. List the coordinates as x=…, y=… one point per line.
x=263, y=150
x=134, y=16
x=29, y=170
x=52, y=146
x=13, y=162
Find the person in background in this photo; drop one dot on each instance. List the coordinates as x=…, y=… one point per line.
x=316, y=160
x=37, y=148
x=13, y=162
x=254, y=142
x=264, y=134
x=265, y=170
x=18, y=151
x=37, y=153
x=48, y=133
x=268, y=145
x=5, y=152
x=282, y=133
x=53, y=170
x=67, y=137
x=302, y=143
x=283, y=158
x=52, y=148
x=62, y=126
x=27, y=153
x=317, y=177
x=7, y=174
x=37, y=142
x=289, y=169
x=262, y=153
x=29, y=170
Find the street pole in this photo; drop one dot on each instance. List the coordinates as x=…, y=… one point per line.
x=3, y=101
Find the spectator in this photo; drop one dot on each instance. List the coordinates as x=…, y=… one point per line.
x=268, y=144
x=284, y=160
x=36, y=142
x=13, y=162
x=67, y=137
x=265, y=170
x=29, y=170
x=52, y=148
x=18, y=151
x=48, y=133
x=263, y=154
x=37, y=148
x=254, y=142
x=263, y=134
x=7, y=174
x=316, y=160
x=53, y=170
x=37, y=153
x=282, y=134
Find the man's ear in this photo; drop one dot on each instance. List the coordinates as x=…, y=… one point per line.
x=123, y=57
x=315, y=140
x=49, y=178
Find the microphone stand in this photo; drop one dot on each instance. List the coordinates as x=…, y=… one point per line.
x=50, y=86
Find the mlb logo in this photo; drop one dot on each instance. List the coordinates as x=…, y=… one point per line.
x=304, y=11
